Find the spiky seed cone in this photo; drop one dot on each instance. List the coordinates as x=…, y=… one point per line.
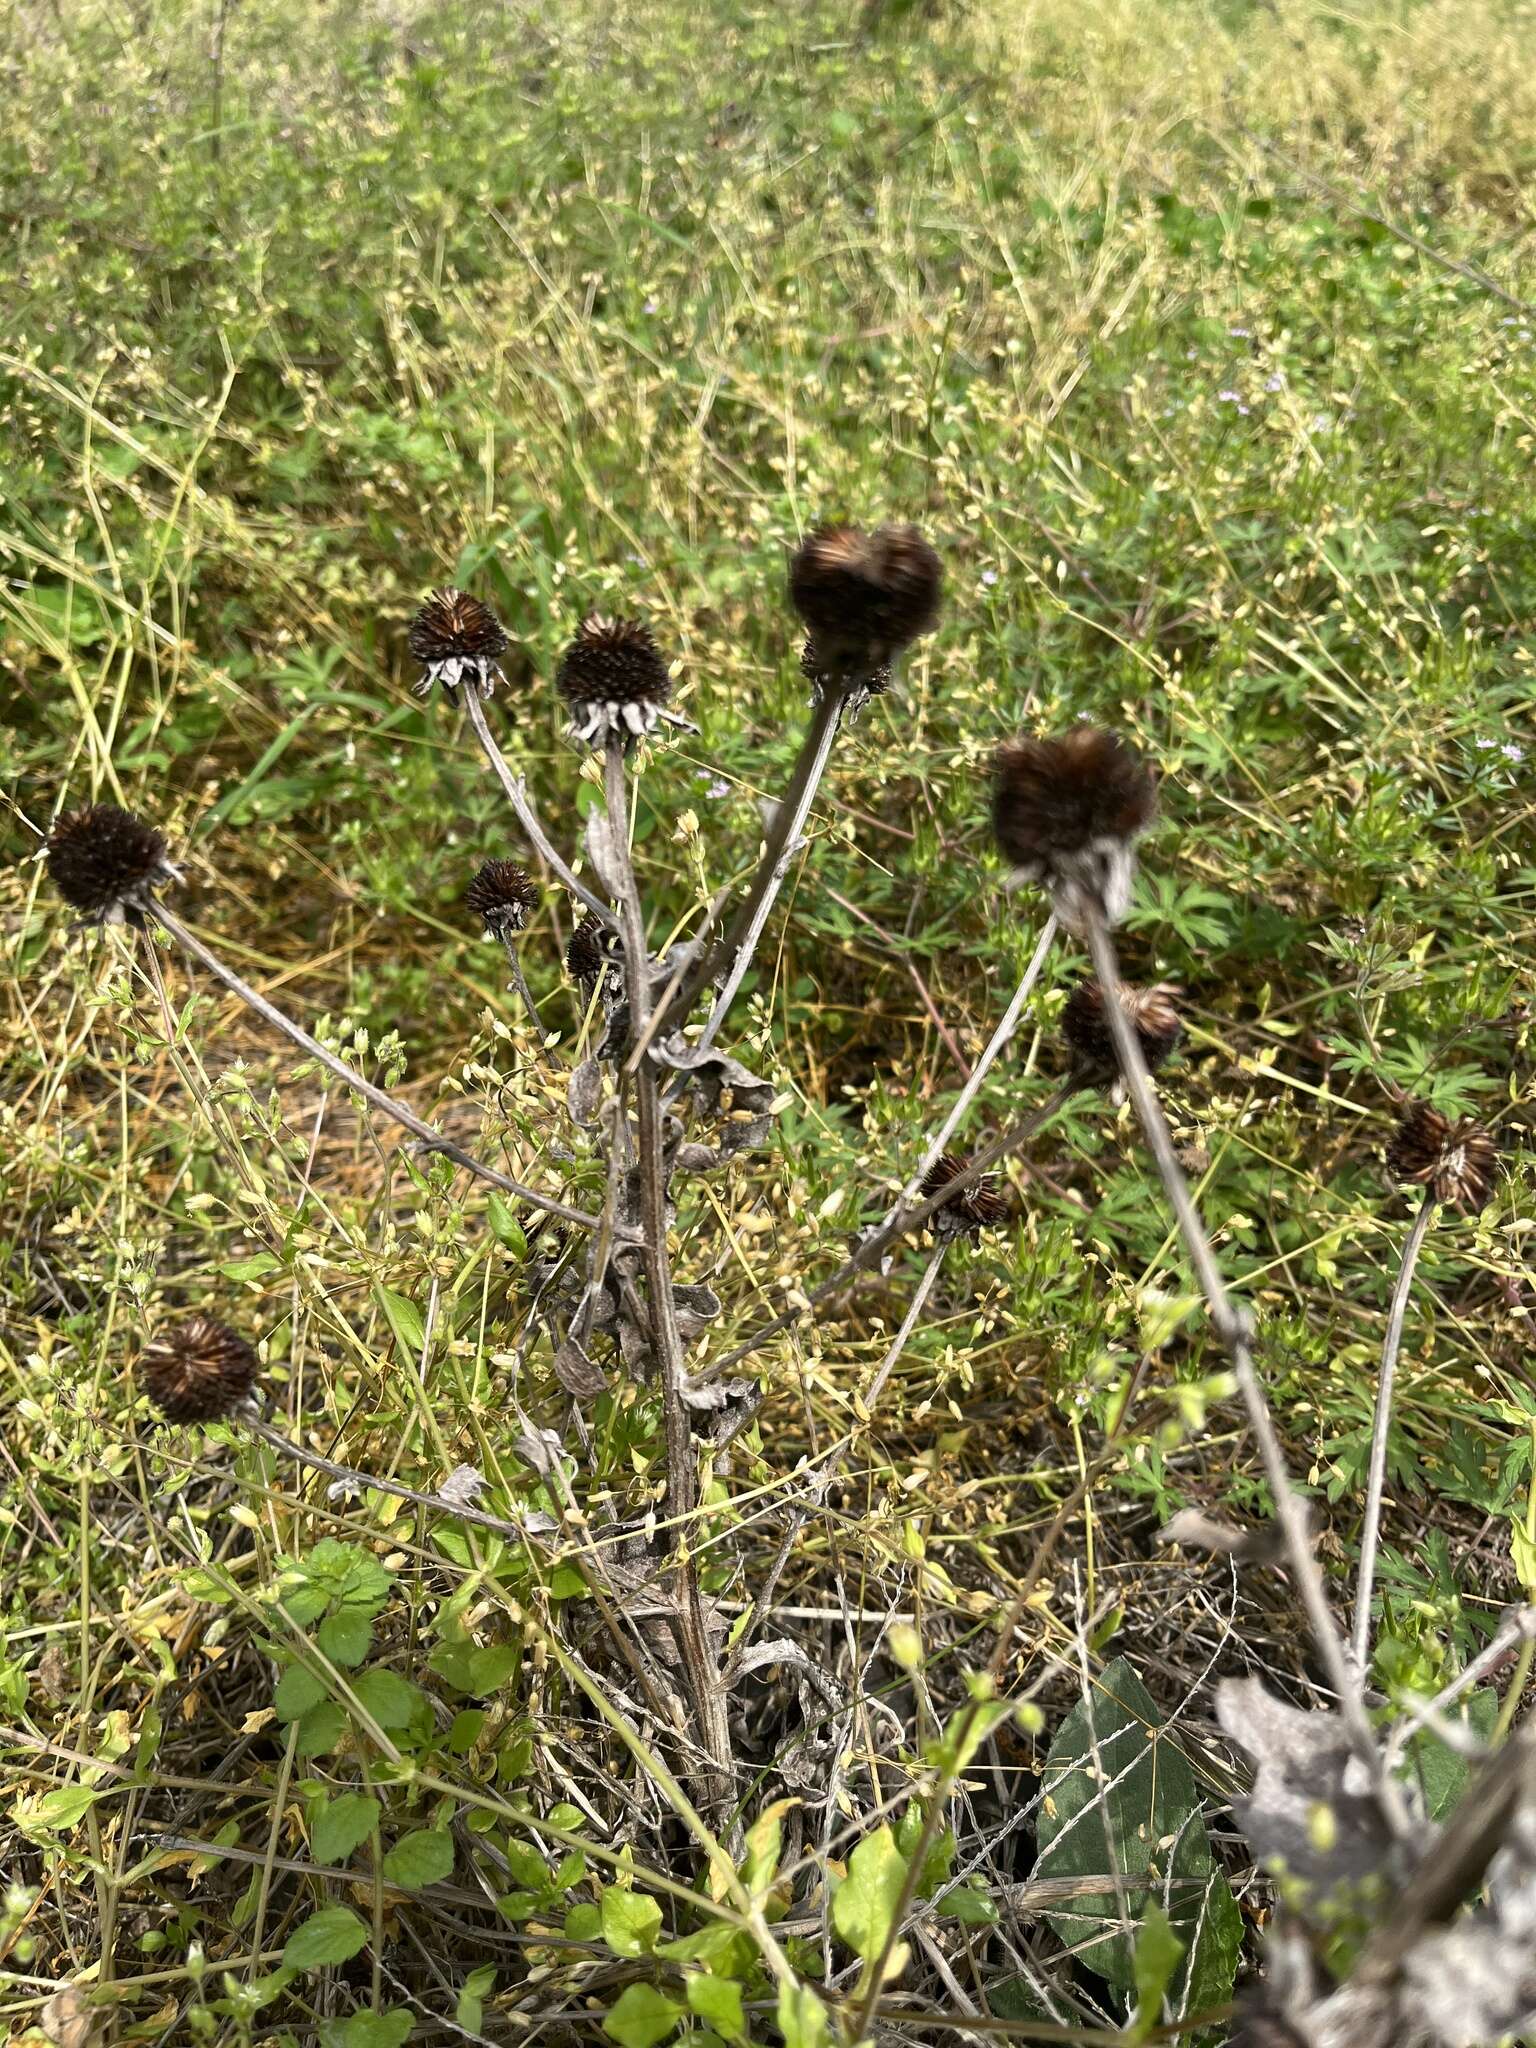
x=591, y=953
x=457, y=639
x=1085, y=1026
x=104, y=862
x=1458, y=1161
x=1068, y=811
x=200, y=1371
x=822, y=679
x=614, y=678
x=977, y=1207
x=864, y=596
x=503, y=897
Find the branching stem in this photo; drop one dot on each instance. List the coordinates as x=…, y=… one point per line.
x=1370, y=1535
x=1233, y=1327
x=527, y=817
x=406, y=1118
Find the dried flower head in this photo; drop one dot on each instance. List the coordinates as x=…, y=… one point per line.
x=457, y=639
x=1150, y=1012
x=594, y=955
x=503, y=897
x=821, y=680
x=1457, y=1161
x=199, y=1371
x=978, y=1206
x=864, y=597
x=1067, y=812
x=614, y=678
x=105, y=862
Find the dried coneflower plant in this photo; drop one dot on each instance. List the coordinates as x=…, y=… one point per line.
x=617, y=1291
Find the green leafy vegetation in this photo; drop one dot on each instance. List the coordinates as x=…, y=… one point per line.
x=1199, y=340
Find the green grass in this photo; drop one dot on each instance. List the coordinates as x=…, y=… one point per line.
x=1194, y=335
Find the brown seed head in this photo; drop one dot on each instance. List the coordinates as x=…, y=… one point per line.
x=502, y=896
x=977, y=1207
x=199, y=1371
x=864, y=596
x=104, y=862
x=822, y=679
x=457, y=639
x=614, y=677
x=1150, y=1012
x=1458, y=1161
x=1068, y=811
x=593, y=953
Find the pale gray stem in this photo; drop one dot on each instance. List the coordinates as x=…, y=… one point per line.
x=901, y=1222
x=908, y=1324
x=407, y=1118
x=692, y=1632
x=795, y=804
x=1376, y=1483
x=802, y=795
x=1233, y=1327
x=1001, y=1038
x=348, y=1475
x=520, y=983
x=527, y=817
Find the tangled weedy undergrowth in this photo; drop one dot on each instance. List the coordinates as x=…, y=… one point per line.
x=704, y=1829
x=1181, y=329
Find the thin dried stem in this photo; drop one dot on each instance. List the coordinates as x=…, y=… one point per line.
x=348, y=1475
x=1001, y=1038
x=771, y=879
x=406, y=1118
x=699, y=1663
x=901, y=1222
x=520, y=983
x=527, y=817
x=1233, y=1327
x=788, y=820
x=908, y=1324
x=1370, y=1535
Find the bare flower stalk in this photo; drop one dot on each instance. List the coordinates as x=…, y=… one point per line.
x=700, y=1667
x=1233, y=1327
x=1370, y=1535
x=348, y=1475
x=770, y=880
x=787, y=822
x=527, y=817
x=900, y=1223
x=520, y=983
x=909, y=1322
x=406, y=1118
x=1001, y=1039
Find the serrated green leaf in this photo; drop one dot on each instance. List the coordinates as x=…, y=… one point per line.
x=344, y=1638
x=333, y=1935
x=320, y=1729
x=631, y=1921
x=298, y=1690
x=389, y=1699
x=718, y=2000
x=342, y=1825
x=864, y=1904
x=642, y=2017
x=425, y=1856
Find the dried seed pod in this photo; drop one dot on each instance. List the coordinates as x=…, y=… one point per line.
x=1458, y=1161
x=105, y=862
x=503, y=897
x=978, y=1206
x=614, y=678
x=822, y=680
x=1150, y=1013
x=1067, y=813
x=863, y=597
x=457, y=639
x=594, y=955
x=199, y=1371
